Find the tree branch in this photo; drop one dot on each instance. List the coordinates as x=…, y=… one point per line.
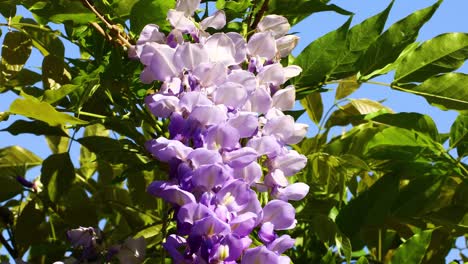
x=259, y=15
x=7, y=246
x=115, y=32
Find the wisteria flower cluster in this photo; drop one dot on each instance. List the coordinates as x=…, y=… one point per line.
x=228, y=146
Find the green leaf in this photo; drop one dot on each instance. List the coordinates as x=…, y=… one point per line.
x=354, y=111
x=344, y=246
x=123, y=7
x=446, y=91
x=312, y=103
x=34, y=127
x=359, y=38
x=320, y=57
x=346, y=87
x=395, y=142
x=60, y=11
x=57, y=175
x=7, y=8
x=29, y=219
x=88, y=164
x=23, y=78
x=58, y=144
x=79, y=209
x=362, y=260
x=15, y=160
x=459, y=135
x=150, y=12
x=413, y=250
x=411, y=121
x=393, y=41
x=296, y=10
x=370, y=208
x=444, y=53
x=42, y=111
x=54, y=73
x=15, y=52
x=114, y=151
x=43, y=38
x=53, y=96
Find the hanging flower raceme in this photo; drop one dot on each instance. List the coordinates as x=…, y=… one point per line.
x=228, y=144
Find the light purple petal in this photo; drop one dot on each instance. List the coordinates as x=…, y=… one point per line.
x=279, y=25
x=162, y=105
x=272, y=74
x=267, y=232
x=210, y=176
x=280, y=127
x=191, y=212
x=166, y=149
x=295, y=192
x=160, y=59
x=172, y=245
x=300, y=130
x=241, y=157
x=222, y=136
x=280, y=213
x=150, y=33
x=190, y=55
x=179, y=21
x=221, y=49
x=286, y=44
x=230, y=94
x=260, y=100
x=209, y=114
x=147, y=76
x=216, y=21
x=262, y=44
x=276, y=178
x=246, y=123
x=250, y=173
x=201, y=156
x=243, y=224
x=188, y=7
x=210, y=73
x=259, y=255
x=281, y=244
x=192, y=99
x=285, y=98
x=290, y=163
x=170, y=193
x=245, y=78
x=240, y=46
x=266, y=145
x=210, y=226
x=291, y=71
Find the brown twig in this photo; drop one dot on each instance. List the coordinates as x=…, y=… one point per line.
x=7, y=246
x=120, y=37
x=259, y=14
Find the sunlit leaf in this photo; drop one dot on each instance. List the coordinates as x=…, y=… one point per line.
x=413, y=250
x=446, y=91
x=42, y=111
x=441, y=54
x=392, y=42
x=320, y=57
x=354, y=111
x=150, y=11
x=313, y=105
x=346, y=87
x=410, y=121
x=459, y=135
x=359, y=38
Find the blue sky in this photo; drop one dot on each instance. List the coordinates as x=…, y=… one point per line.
x=451, y=17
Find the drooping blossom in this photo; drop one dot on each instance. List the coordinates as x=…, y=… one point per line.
x=228, y=139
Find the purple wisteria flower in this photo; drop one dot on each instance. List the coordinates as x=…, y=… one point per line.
x=228, y=143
